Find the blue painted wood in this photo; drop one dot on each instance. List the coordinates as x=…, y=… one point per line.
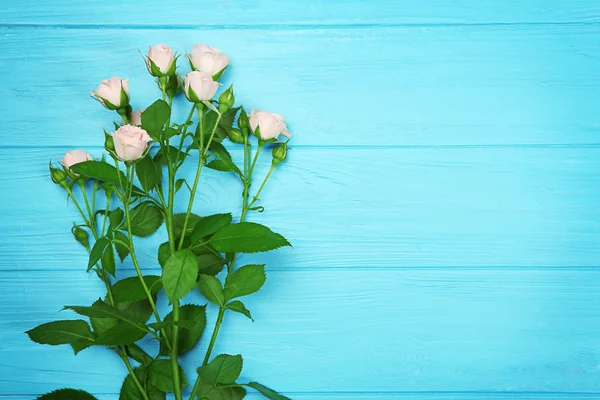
x=429, y=86
x=441, y=195
x=371, y=207
x=206, y=14
x=337, y=331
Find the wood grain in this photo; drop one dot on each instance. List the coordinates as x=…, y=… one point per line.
x=350, y=331
x=379, y=208
x=205, y=14
x=402, y=86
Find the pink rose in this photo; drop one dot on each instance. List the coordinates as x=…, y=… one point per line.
x=113, y=93
x=271, y=124
x=131, y=142
x=163, y=59
x=199, y=86
x=208, y=59
x=73, y=157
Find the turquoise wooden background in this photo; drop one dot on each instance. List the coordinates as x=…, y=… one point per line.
x=443, y=192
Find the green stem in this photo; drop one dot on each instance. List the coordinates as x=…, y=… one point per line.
x=261, y=144
x=213, y=339
x=220, y=316
x=134, y=259
x=184, y=133
x=70, y=193
x=255, y=198
x=202, y=154
x=137, y=383
x=106, y=279
x=105, y=215
x=175, y=330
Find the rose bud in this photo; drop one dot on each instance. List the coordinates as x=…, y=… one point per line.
x=81, y=236
x=226, y=100
x=279, y=153
x=113, y=93
x=58, y=176
x=269, y=125
x=235, y=135
x=130, y=142
x=209, y=60
x=243, y=122
x=75, y=157
x=199, y=86
x=161, y=61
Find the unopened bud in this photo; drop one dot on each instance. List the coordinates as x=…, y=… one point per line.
x=58, y=176
x=235, y=135
x=243, y=122
x=279, y=153
x=226, y=99
x=109, y=143
x=81, y=236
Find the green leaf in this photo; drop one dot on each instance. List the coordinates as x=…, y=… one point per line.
x=178, y=184
x=122, y=251
x=178, y=220
x=97, y=251
x=147, y=173
x=239, y=307
x=120, y=335
x=219, y=165
x=187, y=338
x=146, y=218
x=116, y=217
x=209, y=225
x=171, y=152
x=265, y=391
x=108, y=260
x=138, y=354
x=207, y=391
x=210, y=264
x=155, y=117
x=161, y=375
x=169, y=133
x=223, y=369
x=62, y=332
x=244, y=281
x=211, y=288
x=157, y=326
x=131, y=289
x=137, y=310
x=179, y=274
x=102, y=310
x=247, y=237
x=129, y=390
x=228, y=117
x=67, y=394
x=164, y=252
x=221, y=152
x=99, y=170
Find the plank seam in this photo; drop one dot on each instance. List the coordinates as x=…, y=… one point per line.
x=397, y=393
x=303, y=26
x=353, y=268
x=360, y=147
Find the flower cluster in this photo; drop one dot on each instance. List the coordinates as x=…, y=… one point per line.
x=200, y=253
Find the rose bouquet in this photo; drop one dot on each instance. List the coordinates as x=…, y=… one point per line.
x=137, y=181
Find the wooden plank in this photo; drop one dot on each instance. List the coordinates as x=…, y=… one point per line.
x=393, y=86
x=347, y=331
x=394, y=395
x=290, y=12
x=384, y=208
